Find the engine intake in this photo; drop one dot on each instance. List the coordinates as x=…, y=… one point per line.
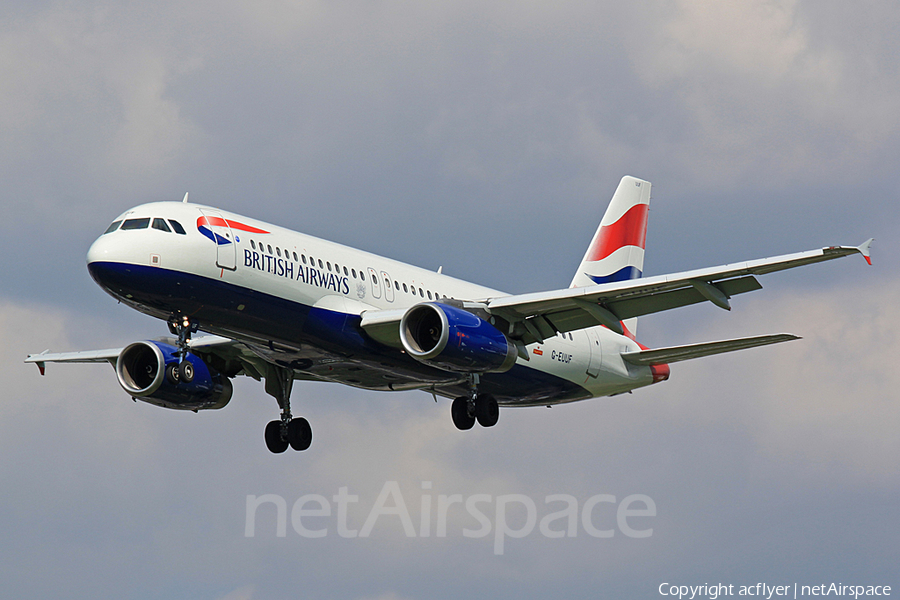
x=141, y=370
x=453, y=339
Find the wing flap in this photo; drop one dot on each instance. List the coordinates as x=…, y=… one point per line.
x=660, y=301
x=660, y=356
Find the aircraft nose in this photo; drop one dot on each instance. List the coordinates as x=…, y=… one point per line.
x=99, y=251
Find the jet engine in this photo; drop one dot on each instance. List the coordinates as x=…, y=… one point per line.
x=453, y=339
x=148, y=371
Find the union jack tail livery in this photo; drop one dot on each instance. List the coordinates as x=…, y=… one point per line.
x=617, y=251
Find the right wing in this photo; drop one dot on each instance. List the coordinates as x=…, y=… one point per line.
x=534, y=317
x=528, y=318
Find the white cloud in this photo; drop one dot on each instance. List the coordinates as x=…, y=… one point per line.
x=86, y=100
x=764, y=91
x=823, y=406
x=243, y=593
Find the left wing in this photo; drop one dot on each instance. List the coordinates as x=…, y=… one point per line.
x=90, y=356
x=111, y=355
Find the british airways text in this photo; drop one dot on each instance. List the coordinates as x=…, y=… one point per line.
x=286, y=268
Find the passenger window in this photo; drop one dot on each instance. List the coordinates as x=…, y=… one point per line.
x=112, y=227
x=320, y=264
x=161, y=225
x=278, y=250
x=136, y=223
x=177, y=227
x=329, y=265
x=354, y=273
x=295, y=257
x=253, y=244
x=429, y=294
x=345, y=272
x=405, y=289
x=396, y=284
x=421, y=293
x=303, y=258
x=362, y=276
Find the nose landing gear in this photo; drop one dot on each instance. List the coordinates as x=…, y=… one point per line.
x=181, y=326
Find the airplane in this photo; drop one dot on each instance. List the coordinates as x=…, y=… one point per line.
x=278, y=306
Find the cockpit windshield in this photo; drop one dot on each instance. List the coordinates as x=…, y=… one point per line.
x=161, y=225
x=144, y=223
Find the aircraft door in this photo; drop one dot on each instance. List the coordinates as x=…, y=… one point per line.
x=594, y=343
x=376, y=286
x=213, y=226
x=388, y=288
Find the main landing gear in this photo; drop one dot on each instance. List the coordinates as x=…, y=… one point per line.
x=286, y=431
x=184, y=370
x=465, y=410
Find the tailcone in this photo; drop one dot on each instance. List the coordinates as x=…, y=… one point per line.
x=660, y=372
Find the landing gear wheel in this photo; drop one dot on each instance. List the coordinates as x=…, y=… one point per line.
x=299, y=434
x=186, y=371
x=459, y=410
x=487, y=411
x=274, y=441
x=172, y=375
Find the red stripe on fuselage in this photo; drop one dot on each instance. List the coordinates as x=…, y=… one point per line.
x=629, y=230
x=220, y=222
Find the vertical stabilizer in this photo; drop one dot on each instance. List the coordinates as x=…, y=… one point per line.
x=616, y=252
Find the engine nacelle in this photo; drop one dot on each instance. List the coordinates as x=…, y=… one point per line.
x=141, y=369
x=453, y=339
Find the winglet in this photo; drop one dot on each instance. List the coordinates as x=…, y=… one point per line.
x=864, y=250
x=185, y=197
x=41, y=365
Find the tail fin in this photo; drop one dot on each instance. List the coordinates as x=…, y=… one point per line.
x=617, y=251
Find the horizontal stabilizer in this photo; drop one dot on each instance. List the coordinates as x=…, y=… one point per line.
x=660, y=356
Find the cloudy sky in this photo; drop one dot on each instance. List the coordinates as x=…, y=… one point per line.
x=485, y=137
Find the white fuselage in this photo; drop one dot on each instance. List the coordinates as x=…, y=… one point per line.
x=253, y=281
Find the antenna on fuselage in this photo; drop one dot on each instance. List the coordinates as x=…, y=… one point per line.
x=185, y=197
